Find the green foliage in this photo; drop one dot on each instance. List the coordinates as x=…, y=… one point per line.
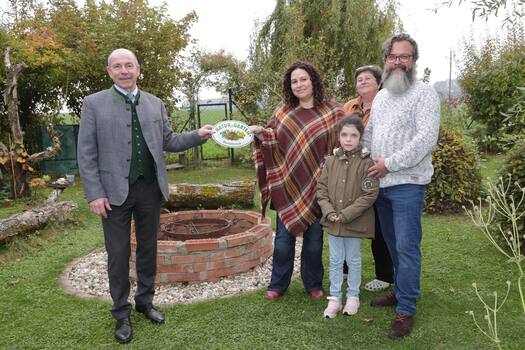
x=490, y=78
x=337, y=36
x=66, y=47
x=514, y=166
x=458, y=118
x=202, y=68
x=515, y=118
x=457, y=177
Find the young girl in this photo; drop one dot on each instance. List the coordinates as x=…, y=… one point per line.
x=346, y=194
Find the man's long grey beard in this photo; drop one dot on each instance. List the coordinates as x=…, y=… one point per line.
x=398, y=82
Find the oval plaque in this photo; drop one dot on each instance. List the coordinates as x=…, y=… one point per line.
x=232, y=134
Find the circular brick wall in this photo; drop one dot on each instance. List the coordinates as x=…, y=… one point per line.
x=211, y=258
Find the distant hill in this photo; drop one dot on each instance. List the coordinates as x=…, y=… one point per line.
x=442, y=89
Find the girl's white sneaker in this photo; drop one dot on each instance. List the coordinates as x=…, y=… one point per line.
x=334, y=306
x=351, y=307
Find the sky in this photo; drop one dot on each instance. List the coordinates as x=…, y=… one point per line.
x=229, y=24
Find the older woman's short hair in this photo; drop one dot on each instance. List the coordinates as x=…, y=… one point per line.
x=373, y=69
x=387, y=45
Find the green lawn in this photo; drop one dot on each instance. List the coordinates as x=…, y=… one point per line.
x=37, y=314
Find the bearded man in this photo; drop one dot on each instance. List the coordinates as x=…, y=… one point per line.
x=401, y=134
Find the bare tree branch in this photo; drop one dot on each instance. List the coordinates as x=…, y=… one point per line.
x=50, y=151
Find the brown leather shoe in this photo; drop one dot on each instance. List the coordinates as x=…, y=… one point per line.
x=317, y=294
x=273, y=295
x=401, y=327
x=387, y=300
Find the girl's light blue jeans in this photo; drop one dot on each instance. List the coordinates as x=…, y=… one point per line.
x=341, y=249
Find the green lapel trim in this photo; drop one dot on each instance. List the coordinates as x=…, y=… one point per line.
x=124, y=97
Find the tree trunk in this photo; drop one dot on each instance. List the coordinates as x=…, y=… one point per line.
x=11, y=97
x=34, y=219
x=15, y=159
x=211, y=196
x=19, y=179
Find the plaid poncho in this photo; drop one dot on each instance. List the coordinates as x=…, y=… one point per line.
x=288, y=160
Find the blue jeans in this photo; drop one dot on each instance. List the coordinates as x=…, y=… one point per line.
x=311, y=261
x=399, y=208
x=341, y=249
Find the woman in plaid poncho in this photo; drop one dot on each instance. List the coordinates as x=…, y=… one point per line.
x=289, y=152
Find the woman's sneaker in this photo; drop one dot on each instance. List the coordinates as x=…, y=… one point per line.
x=334, y=306
x=351, y=307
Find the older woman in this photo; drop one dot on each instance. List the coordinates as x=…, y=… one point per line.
x=367, y=83
x=289, y=152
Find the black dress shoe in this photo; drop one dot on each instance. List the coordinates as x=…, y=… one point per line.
x=151, y=313
x=123, y=330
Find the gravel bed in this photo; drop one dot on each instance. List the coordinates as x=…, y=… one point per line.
x=87, y=277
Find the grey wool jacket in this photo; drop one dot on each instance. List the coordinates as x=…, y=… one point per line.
x=104, y=143
x=403, y=129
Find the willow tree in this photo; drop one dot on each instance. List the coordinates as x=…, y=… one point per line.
x=336, y=35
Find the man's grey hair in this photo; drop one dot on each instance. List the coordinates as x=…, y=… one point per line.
x=121, y=50
x=387, y=45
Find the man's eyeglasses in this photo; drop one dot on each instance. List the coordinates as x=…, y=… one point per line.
x=402, y=58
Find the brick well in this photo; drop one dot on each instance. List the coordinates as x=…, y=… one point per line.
x=209, y=259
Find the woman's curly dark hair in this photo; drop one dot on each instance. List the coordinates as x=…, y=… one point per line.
x=289, y=98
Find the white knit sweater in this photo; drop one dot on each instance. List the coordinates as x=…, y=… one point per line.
x=403, y=129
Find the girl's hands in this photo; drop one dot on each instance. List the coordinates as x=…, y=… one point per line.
x=333, y=217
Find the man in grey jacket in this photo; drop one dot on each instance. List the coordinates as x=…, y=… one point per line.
x=401, y=134
x=123, y=134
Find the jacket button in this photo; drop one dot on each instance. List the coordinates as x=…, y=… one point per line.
x=128, y=125
x=127, y=109
x=127, y=160
x=129, y=142
x=127, y=177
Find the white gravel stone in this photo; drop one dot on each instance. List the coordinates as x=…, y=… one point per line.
x=88, y=277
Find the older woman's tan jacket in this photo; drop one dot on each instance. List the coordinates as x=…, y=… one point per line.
x=345, y=189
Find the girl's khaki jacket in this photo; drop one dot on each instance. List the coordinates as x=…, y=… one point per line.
x=345, y=189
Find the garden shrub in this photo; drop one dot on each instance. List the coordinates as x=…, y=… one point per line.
x=458, y=118
x=490, y=77
x=514, y=166
x=457, y=176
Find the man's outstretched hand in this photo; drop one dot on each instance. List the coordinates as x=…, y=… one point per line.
x=205, y=132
